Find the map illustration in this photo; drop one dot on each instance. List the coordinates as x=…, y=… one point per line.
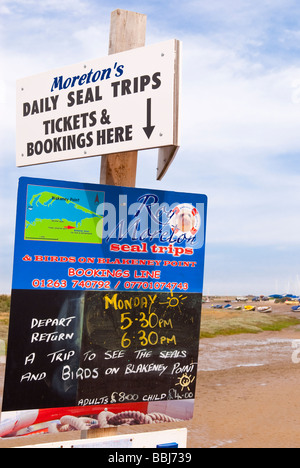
x=64, y=215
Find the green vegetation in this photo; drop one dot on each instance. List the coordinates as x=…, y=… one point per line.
x=4, y=318
x=4, y=303
x=220, y=322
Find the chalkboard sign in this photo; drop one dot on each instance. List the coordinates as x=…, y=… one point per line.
x=106, y=298
x=92, y=348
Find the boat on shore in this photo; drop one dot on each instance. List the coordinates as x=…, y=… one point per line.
x=264, y=310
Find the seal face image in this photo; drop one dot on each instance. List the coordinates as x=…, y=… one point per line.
x=185, y=219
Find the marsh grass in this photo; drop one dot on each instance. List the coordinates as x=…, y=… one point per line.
x=219, y=322
x=4, y=319
x=4, y=303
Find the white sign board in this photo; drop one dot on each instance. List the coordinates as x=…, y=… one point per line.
x=164, y=440
x=122, y=102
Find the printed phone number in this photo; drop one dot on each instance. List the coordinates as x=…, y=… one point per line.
x=92, y=284
x=63, y=284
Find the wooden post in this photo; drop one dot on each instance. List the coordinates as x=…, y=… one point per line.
x=127, y=31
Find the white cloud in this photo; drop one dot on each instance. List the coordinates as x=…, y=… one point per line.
x=233, y=104
x=73, y=6
x=4, y=10
x=2, y=91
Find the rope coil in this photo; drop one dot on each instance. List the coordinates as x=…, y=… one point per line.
x=108, y=419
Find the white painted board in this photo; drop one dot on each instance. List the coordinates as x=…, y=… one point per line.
x=119, y=103
x=142, y=440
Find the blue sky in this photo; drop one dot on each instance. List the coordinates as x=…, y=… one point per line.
x=240, y=122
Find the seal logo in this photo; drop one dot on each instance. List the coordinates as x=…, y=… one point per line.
x=185, y=219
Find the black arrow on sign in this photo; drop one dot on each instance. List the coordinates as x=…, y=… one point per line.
x=149, y=129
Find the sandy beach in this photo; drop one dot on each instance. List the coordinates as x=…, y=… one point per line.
x=247, y=394
x=252, y=399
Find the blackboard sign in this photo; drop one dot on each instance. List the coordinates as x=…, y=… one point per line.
x=106, y=299
x=82, y=349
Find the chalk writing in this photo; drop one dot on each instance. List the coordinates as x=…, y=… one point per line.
x=111, y=350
